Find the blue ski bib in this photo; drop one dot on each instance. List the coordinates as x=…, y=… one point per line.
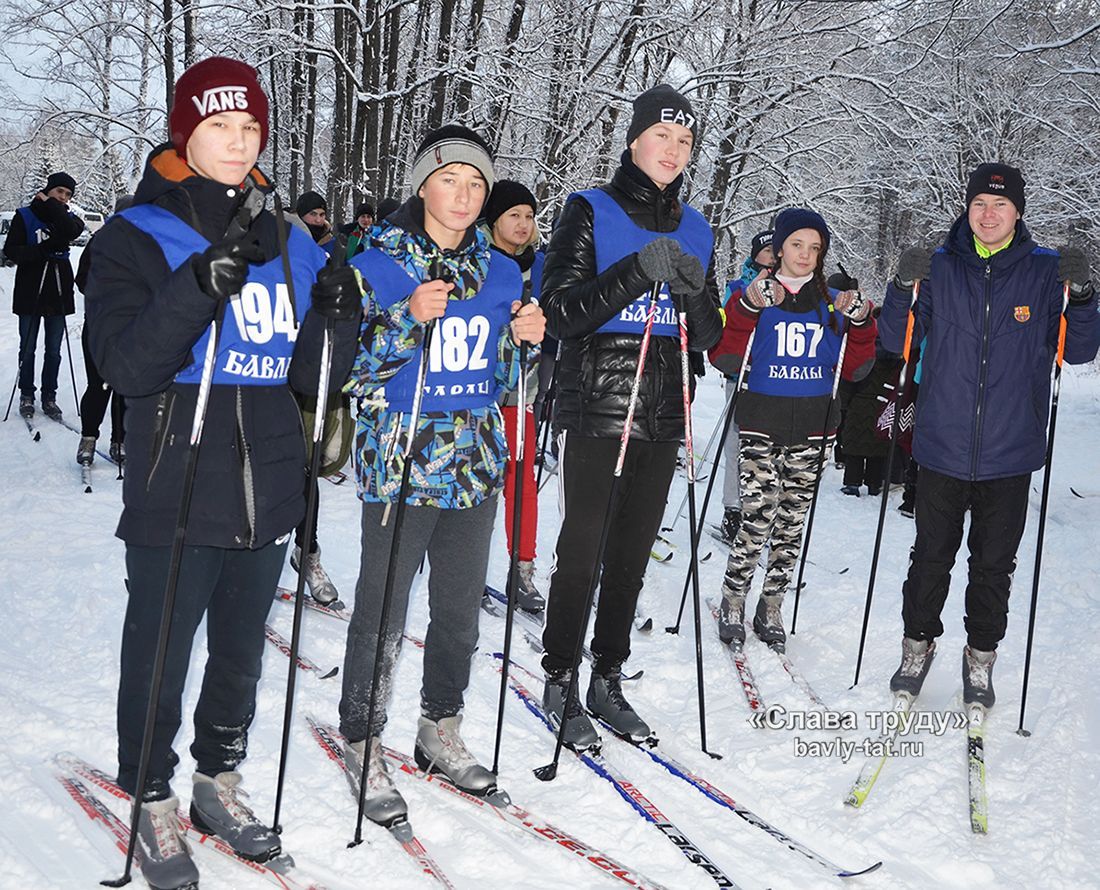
x=257, y=338
x=617, y=236
x=38, y=231
x=462, y=362
x=794, y=354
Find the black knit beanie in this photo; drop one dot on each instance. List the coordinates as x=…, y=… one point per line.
x=660, y=105
x=997, y=179
x=507, y=194
x=310, y=201
x=62, y=179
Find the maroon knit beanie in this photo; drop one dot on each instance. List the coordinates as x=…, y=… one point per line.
x=209, y=87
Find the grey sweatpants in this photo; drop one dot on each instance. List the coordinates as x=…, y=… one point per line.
x=457, y=545
x=731, y=482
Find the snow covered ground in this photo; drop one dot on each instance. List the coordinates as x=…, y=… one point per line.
x=64, y=571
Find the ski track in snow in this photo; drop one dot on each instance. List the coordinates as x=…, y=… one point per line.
x=66, y=600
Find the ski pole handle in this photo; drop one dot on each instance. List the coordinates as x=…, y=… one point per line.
x=1062, y=325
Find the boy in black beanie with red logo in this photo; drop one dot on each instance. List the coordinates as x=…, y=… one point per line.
x=989, y=310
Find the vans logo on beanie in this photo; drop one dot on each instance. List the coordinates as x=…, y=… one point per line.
x=218, y=99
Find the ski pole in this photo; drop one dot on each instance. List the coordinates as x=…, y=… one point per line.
x=894, y=425
x=517, y=528
x=391, y=567
x=308, y=525
x=547, y=772
x=817, y=477
x=693, y=570
x=23, y=350
x=544, y=419
x=731, y=407
x=72, y=371
x=718, y=427
x=1043, y=506
x=174, y=563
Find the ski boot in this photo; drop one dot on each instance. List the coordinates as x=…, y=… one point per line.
x=320, y=585
x=528, y=596
x=383, y=803
x=26, y=407
x=579, y=731
x=85, y=451
x=731, y=522
x=850, y=490
x=440, y=749
x=916, y=659
x=768, y=621
x=164, y=856
x=605, y=699
x=216, y=808
x=117, y=453
x=978, y=677
x=50, y=409
x=731, y=620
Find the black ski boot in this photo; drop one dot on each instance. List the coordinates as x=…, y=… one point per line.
x=605, y=699
x=579, y=731
x=731, y=522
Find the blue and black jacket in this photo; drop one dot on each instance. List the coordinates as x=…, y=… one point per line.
x=991, y=335
x=146, y=317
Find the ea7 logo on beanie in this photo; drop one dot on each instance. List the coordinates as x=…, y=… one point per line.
x=218, y=99
x=677, y=116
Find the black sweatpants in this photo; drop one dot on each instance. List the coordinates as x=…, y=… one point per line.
x=234, y=589
x=93, y=404
x=585, y=478
x=998, y=512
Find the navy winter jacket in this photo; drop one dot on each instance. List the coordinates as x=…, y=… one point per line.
x=992, y=335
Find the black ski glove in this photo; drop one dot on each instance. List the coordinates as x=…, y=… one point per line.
x=222, y=268
x=690, y=278
x=844, y=281
x=914, y=265
x=337, y=293
x=1074, y=267
x=659, y=259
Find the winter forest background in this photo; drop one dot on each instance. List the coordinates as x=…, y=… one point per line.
x=870, y=112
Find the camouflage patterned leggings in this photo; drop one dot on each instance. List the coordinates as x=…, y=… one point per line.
x=777, y=483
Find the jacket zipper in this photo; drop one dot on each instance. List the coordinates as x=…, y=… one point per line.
x=246, y=473
x=982, y=373
x=161, y=424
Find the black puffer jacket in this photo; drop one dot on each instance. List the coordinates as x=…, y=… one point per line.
x=596, y=371
x=143, y=320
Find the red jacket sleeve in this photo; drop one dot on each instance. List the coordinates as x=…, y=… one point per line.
x=859, y=356
x=727, y=354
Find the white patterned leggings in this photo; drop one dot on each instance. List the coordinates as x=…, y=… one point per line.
x=777, y=483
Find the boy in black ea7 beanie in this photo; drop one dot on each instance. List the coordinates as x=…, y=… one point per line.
x=660, y=105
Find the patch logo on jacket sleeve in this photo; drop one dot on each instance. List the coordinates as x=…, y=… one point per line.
x=1022, y=313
